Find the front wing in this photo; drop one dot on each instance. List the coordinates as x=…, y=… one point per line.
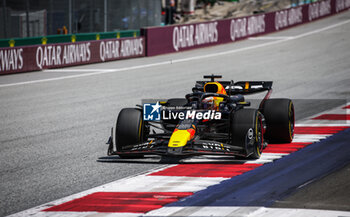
x=198, y=147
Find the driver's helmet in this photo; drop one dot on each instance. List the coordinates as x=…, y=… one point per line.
x=214, y=87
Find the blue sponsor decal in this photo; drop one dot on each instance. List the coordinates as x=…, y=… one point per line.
x=151, y=111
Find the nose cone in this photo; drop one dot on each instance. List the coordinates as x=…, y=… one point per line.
x=179, y=138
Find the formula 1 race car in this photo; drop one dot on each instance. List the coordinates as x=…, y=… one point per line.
x=212, y=120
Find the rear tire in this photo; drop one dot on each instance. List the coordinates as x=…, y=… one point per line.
x=279, y=117
x=129, y=130
x=247, y=132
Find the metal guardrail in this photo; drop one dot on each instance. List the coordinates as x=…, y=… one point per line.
x=50, y=39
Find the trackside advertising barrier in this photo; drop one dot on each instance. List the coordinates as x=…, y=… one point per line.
x=38, y=57
x=161, y=40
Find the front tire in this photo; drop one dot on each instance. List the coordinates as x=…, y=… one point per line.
x=247, y=132
x=129, y=130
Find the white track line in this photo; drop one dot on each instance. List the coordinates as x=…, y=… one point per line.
x=270, y=38
x=242, y=211
x=179, y=60
x=76, y=70
x=323, y=125
x=87, y=74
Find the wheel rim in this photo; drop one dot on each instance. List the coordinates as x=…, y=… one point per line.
x=259, y=137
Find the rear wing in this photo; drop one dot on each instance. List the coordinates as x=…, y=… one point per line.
x=249, y=87
x=240, y=87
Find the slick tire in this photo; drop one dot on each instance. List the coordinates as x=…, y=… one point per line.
x=247, y=132
x=129, y=130
x=176, y=102
x=280, y=120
